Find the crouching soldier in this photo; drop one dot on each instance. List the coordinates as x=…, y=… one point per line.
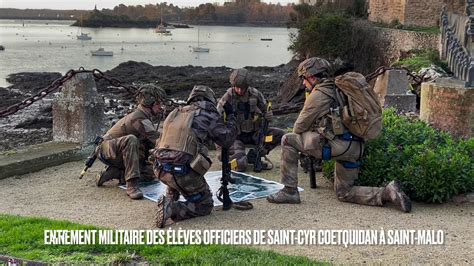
x=319, y=133
x=250, y=107
x=125, y=146
x=182, y=155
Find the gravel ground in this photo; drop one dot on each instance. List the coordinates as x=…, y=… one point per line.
x=57, y=193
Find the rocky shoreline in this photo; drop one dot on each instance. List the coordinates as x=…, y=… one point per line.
x=34, y=124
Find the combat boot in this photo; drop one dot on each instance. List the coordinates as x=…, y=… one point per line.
x=133, y=191
x=164, y=211
x=393, y=193
x=285, y=195
x=109, y=173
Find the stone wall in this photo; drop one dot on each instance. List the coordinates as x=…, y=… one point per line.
x=422, y=13
x=448, y=107
x=418, y=13
x=386, y=11
x=457, y=6
x=404, y=41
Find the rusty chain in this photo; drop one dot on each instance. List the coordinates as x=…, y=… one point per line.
x=381, y=70
x=56, y=86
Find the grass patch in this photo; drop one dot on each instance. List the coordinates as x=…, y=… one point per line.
x=22, y=237
x=419, y=59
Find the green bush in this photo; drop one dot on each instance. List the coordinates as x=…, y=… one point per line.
x=324, y=35
x=432, y=165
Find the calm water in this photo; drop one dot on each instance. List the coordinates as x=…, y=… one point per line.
x=52, y=46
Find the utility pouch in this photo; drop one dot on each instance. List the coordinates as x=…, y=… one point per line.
x=336, y=122
x=247, y=126
x=200, y=164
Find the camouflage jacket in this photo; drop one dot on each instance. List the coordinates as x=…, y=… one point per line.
x=313, y=116
x=138, y=123
x=248, y=108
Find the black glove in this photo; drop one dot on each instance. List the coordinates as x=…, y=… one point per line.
x=229, y=111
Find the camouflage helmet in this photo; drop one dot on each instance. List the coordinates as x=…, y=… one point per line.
x=240, y=78
x=202, y=91
x=148, y=94
x=313, y=66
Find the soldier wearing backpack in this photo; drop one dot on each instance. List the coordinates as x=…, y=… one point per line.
x=337, y=117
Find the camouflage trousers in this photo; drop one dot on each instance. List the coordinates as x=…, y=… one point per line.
x=237, y=150
x=346, y=153
x=125, y=153
x=194, y=189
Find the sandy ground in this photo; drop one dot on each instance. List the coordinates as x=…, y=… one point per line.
x=57, y=193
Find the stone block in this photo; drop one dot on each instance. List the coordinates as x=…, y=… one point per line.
x=401, y=102
x=37, y=157
x=391, y=89
x=78, y=111
x=448, y=107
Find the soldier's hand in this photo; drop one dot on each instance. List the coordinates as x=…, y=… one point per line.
x=229, y=111
x=269, y=115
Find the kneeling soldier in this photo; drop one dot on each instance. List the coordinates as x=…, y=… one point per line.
x=182, y=155
x=314, y=134
x=125, y=146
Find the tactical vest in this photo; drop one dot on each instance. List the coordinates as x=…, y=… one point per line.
x=177, y=132
x=246, y=110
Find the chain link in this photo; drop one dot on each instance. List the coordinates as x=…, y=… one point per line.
x=381, y=70
x=57, y=85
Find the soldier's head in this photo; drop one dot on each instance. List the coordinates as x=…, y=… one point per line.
x=152, y=97
x=240, y=80
x=202, y=93
x=313, y=70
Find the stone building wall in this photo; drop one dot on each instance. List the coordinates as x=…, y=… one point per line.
x=386, y=11
x=422, y=13
x=418, y=13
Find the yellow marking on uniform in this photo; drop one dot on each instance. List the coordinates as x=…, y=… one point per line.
x=233, y=164
x=269, y=138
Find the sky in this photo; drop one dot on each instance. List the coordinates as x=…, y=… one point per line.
x=89, y=4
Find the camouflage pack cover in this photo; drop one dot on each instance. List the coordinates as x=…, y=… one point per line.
x=148, y=94
x=203, y=91
x=240, y=78
x=313, y=66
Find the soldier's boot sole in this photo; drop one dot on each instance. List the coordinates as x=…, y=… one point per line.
x=108, y=174
x=164, y=211
x=281, y=197
x=134, y=193
x=398, y=197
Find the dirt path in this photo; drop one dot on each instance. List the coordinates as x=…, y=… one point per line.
x=57, y=193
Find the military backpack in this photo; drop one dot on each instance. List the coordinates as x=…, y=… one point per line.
x=361, y=111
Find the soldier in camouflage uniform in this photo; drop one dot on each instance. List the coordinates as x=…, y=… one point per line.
x=182, y=156
x=313, y=135
x=250, y=108
x=125, y=146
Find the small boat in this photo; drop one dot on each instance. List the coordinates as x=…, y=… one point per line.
x=84, y=37
x=161, y=29
x=102, y=52
x=2, y=48
x=200, y=49
x=266, y=39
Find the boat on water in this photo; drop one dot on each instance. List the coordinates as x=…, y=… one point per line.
x=199, y=49
x=84, y=37
x=266, y=39
x=161, y=28
x=2, y=48
x=102, y=52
